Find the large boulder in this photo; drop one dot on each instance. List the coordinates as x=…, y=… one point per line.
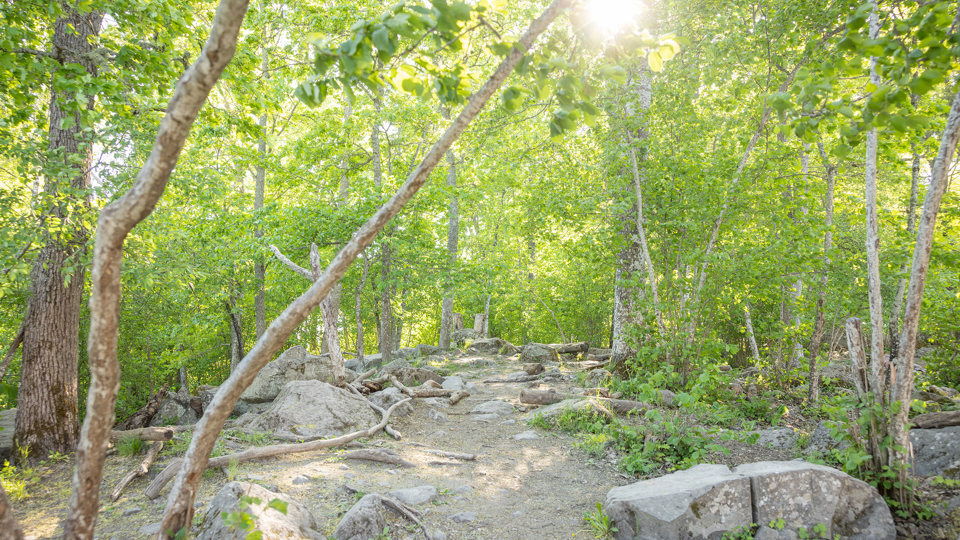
x=799, y=495
x=366, y=519
x=459, y=338
x=298, y=522
x=314, y=409
x=538, y=352
x=783, y=498
x=426, y=350
x=387, y=397
x=490, y=346
x=178, y=409
x=295, y=364
x=936, y=452
x=701, y=502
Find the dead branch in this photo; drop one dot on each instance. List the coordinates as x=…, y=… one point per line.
x=550, y=396
x=458, y=395
x=381, y=455
x=149, y=433
x=153, y=490
x=936, y=420
x=138, y=471
x=142, y=417
x=420, y=392
x=12, y=349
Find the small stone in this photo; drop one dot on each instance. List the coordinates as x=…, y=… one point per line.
x=518, y=513
x=485, y=417
x=415, y=495
x=452, y=382
x=436, y=415
x=525, y=436
x=499, y=408
x=301, y=479
x=438, y=535
x=131, y=511
x=509, y=422
x=463, y=490
x=464, y=517
x=151, y=529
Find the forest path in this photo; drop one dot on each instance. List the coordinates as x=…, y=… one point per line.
x=517, y=488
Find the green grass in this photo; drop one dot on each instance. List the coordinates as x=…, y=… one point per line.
x=129, y=446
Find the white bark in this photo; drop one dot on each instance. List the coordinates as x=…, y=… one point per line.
x=116, y=220
x=453, y=235
x=879, y=365
x=179, y=511
x=894, y=321
x=751, y=337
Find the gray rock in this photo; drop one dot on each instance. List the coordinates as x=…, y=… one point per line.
x=311, y=409
x=701, y=502
x=178, y=409
x=777, y=437
x=550, y=412
x=538, y=352
x=131, y=511
x=206, y=392
x=395, y=366
x=372, y=361
x=8, y=423
x=365, y=519
x=244, y=407
x=601, y=354
x=489, y=346
x=405, y=352
x=805, y=495
x=708, y=500
x=415, y=495
x=427, y=350
x=295, y=364
x=464, y=517
x=436, y=401
x=485, y=417
x=352, y=363
x=936, y=452
x=437, y=416
x=298, y=522
x=151, y=529
x=525, y=436
x=499, y=408
x=452, y=382
x=460, y=337
x=465, y=490
x=387, y=397
x=412, y=376
x=301, y=479
x=822, y=442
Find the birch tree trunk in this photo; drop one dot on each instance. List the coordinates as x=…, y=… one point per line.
x=880, y=370
x=116, y=220
x=47, y=417
x=358, y=312
x=179, y=511
x=751, y=337
x=903, y=388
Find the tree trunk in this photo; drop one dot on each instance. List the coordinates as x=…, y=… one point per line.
x=751, y=337
x=358, y=312
x=47, y=416
x=453, y=234
x=259, y=268
x=115, y=222
x=902, y=285
x=179, y=511
x=386, y=309
x=880, y=369
x=813, y=379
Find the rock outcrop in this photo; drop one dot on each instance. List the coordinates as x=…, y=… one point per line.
x=312, y=409
x=298, y=522
x=295, y=364
x=784, y=498
x=538, y=352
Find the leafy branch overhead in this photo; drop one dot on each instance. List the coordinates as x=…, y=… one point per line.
x=402, y=48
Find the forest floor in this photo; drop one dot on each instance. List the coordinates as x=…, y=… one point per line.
x=526, y=482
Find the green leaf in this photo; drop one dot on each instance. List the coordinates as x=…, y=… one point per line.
x=278, y=505
x=655, y=61
x=381, y=39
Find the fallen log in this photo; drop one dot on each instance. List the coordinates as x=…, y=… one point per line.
x=550, y=396
x=142, y=417
x=138, y=471
x=420, y=392
x=936, y=420
x=457, y=396
x=533, y=369
x=161, y=480
x=570, y=348
x=379, y=455
x=164, y=433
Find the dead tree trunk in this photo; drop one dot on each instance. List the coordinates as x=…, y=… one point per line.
x=813, y=379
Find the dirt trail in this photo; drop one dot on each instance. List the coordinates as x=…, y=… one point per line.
x=533, y=488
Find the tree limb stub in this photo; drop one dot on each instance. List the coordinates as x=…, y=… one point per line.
x=139, y=471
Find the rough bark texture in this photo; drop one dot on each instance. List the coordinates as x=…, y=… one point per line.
x=9, y=526
x=47, y=419
x=357, y=307
x=880, y=369
x=115, y=222
x=11, y=351
x=751, y=337
x=894, y=322
x=179, y=511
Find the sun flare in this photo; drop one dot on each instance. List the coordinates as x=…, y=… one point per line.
x=613, y=16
